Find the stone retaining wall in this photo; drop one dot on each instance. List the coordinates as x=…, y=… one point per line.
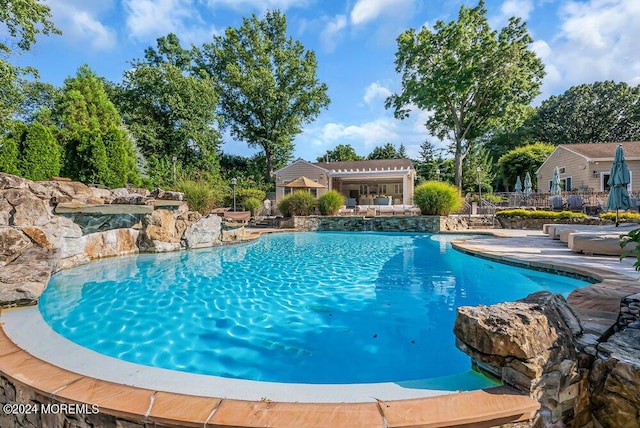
x=429, y=224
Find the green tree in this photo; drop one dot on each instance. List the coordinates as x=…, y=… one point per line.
x=402, y=152
x=23, y=20
x=9, y=154
x=388, y=151
x=590, y=113
x=20, y=23
x=121, y=156
x=472, y=77
x=428, y=162
x=87, y=118
x=478, y=158
x=170, y=111
x=341, y=152
x=91, y=162
x=40, y=154
x=521, y=160
x=267, y=85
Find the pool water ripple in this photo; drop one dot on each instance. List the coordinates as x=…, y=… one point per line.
x=304, y=308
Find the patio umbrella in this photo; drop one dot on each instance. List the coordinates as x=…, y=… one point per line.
x=527, y=185
x=619, y=178
x=304, y=183
x=518, y=185
x=555, y=182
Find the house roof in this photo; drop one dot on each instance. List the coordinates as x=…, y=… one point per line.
x=593, y=152
x=604, y=151
x=379, y=164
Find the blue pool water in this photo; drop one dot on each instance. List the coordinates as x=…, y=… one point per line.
x=307, y=307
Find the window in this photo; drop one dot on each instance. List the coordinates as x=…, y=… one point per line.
x=562, y=170
x=382, y=189
x=397, y=189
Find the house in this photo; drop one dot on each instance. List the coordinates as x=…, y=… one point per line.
x=366, y=182
x=586, y=166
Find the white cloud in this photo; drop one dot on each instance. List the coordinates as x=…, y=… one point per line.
x=262, y=5
x=598, y=41
x=517, y=8
x=80, y=24
x=332, y=31
x=377, y=93
x=148, y=19
x=368, y=10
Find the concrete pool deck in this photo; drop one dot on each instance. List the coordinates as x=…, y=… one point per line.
x=40, y=359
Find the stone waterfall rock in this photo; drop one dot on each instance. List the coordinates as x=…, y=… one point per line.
x=206, y=232
x=615, y=381
x=531, y=345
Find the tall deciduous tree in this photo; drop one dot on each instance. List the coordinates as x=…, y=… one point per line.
x=20, y=23
x=267, y=85
x=470, y=76
x=170, y=111
x=590, y=113
x=341, y=152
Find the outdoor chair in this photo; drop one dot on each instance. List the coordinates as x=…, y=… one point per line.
x=575, y=202
x=556, y=202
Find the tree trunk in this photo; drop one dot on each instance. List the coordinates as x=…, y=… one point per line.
x=269, y=159
x=459, y=157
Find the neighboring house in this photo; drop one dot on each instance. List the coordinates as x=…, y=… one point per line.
x=367, y=182
x=586, y=166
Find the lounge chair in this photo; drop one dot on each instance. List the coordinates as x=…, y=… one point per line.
x=237, y=216
x=386, y=210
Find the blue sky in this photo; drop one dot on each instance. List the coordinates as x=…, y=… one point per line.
x=580, y=41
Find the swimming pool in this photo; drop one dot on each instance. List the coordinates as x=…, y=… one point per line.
x=305, y=308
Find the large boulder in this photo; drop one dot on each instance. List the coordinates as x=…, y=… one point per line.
x=115, y=242
x=530, y=344
x=28, y=210
x=615, y=381
x=12, y=244
x=23, y=280
x=206, y=232
x=8, y=181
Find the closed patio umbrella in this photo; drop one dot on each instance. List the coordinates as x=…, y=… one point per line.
x=619, y=178
x=518, y=187
x=555, y=182
x=527, y=185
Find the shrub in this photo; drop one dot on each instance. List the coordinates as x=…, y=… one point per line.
x=437, y=198
x=330, y=202
x=300, y=202
x=564, y=215
x=251, y=204
x=622, y=216
x=40, y=153
x=258, y=194
x=200, y=195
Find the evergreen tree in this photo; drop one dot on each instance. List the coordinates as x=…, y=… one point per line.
x=91, y=160
x=9, y=155
x=428, y=162
x=402, y=152
x=90, y=126
x=40, y=154
x=388, y=151
x=121, y=155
